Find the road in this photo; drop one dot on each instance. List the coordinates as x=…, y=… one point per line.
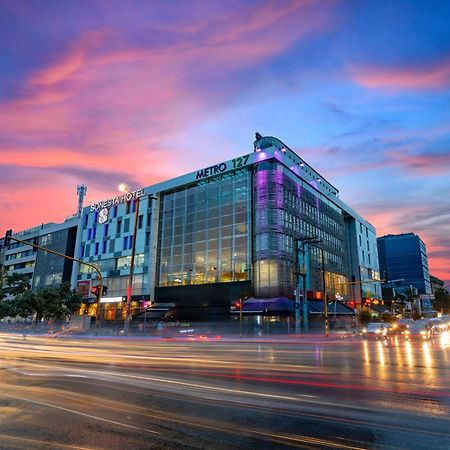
x=310, y=392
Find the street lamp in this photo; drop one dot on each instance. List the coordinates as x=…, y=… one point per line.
x=302, y=274
x=125, y=189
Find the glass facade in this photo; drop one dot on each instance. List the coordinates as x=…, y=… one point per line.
x=403, y=258
x=103, y=245
x=204, y=232
x=286, y=209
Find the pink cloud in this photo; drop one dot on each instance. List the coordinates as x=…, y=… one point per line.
x=414, y=77
x=396, y=219
x=108, y=105
x=423, y=163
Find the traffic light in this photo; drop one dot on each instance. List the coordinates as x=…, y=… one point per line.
x=8, y=235
x=95, y=290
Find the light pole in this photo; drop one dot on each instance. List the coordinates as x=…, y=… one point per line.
x=302, y=274
x=324, y=287
x=126, y=326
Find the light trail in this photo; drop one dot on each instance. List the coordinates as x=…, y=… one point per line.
x=338, y=389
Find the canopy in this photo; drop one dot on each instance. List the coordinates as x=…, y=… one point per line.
x=279, y=305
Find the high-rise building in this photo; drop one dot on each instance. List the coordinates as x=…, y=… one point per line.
x=404, y=263
x=229, y=231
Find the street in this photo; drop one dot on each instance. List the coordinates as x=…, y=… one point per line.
x=305, y=392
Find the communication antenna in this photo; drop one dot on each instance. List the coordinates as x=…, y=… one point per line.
x=81, y=191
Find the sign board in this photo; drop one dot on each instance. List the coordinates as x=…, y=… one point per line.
x=125, y=198
x=112, y=299
x=84, y=288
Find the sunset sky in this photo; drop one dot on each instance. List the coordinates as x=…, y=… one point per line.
x=99, y=92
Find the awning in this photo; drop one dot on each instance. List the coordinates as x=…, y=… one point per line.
x=267, y=305
x=317, y=307
x=283, y=305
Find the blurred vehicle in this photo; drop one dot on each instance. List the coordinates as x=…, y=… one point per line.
x=438, y=325
x=403, y=325
x=197, y=335
x=420, y=329
x=377, y=330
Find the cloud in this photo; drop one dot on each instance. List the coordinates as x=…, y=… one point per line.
x=419, y=77
x=106, y=104
x=422, y=163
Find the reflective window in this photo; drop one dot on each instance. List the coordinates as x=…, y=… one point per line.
x=204, y=233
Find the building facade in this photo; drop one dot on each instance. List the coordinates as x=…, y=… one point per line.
x=436, y=283
x=226, y=232
x=404, y=262
x=42, y=268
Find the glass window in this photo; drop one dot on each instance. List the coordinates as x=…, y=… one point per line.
x=196, y=242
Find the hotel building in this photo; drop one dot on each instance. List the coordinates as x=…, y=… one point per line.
x=227, y=232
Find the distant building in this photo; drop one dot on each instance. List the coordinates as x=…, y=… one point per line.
x=436, y=283
x=404, y=263
x=42, y=268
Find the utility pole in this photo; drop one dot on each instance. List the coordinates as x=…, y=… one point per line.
x=301, y=274
x=324, y=287
x=126, y=325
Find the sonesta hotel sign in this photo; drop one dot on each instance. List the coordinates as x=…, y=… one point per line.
x=125, y=198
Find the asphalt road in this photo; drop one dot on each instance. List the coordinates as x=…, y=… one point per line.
x=311, y=393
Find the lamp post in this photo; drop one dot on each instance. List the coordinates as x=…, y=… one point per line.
x=126, y=326
x=302, y=275
x=324, y=287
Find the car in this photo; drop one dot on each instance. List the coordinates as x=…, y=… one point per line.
x=402, y=325
x=377, y=330
x=420, y=329
x=438, y=325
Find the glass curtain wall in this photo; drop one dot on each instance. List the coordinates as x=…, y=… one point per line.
x=284, y=211
x=204, y=232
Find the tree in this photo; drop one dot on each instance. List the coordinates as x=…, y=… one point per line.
x=405, y=299
x=49, y=302
x=441, y=300
x=365, y=316
x=5, y=308
x=14, y=284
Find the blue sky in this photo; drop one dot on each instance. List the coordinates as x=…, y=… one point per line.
x=99, y=92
